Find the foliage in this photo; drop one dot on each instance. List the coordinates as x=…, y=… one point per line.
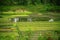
x=28, y=2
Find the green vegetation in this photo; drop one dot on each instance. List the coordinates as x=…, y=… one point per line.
x=38, y=26
x=8, y=35
x=31, y=8
x=29, y=19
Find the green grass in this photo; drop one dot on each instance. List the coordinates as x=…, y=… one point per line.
x=42, y=25
x=8, y=36
x=26, y=35
x=39, y=25
x=29, y=29
x=16, y=13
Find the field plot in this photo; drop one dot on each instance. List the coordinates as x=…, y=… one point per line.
x=42, y=25
x=30, y=30
x=30, y=20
